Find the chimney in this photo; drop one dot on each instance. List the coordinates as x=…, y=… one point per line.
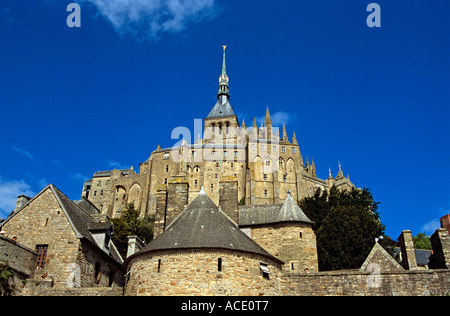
x=228, y=197
x=407, y=247
x=440, y=241
x=21, y=201
x=134, y=245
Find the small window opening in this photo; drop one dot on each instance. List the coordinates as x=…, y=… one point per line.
x=219, y=264
x=159, y=265
x=265, y=270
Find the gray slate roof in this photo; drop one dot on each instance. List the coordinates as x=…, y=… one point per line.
x=289, y=211
x=203, y=225
x=221, y=110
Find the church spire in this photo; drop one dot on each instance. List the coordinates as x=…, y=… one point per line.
x=223, y=79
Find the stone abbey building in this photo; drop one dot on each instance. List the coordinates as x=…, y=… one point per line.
x=263, y=160
x=227, y=222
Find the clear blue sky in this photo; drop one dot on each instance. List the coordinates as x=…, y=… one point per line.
x=78, y=100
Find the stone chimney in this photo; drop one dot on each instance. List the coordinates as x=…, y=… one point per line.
x=440, y=241
x=21, y=201
x=228, y=198
x=134, y=245
x=407, y=247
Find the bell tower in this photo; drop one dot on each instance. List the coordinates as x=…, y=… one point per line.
x=221, y=122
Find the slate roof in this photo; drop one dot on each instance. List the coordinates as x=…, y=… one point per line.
x=221, y=110
x=203, y=225
x=289, y=211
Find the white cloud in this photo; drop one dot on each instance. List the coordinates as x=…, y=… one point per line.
x=116, y=165
x=9, y=190
x=23, y=152
x=79, y=177
x=149, y=19
x=431, y=226
x=278, y=118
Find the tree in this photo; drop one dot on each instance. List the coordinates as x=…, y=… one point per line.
x=422, y=241
x=129, y=224
x=346, y=224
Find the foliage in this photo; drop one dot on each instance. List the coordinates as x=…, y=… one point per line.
x=422, y=241
x=129, y=224
x=5, y=271
x=346, y=224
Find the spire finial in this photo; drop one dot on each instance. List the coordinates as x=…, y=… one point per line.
x=223, y=79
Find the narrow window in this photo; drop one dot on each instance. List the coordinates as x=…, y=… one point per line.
x=42, y=256
x=265, y=177
x=301, y=235
x=159, y=265
x=219, y=264
x=264, y=270
x=265, y=193
x=167, y=168
x=111, y=278
x=195, y=183
x=97, y=271
x=212, y=186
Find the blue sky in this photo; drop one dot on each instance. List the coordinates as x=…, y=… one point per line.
x=103, y=96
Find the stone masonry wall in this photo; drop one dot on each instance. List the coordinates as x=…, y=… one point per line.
x=400, y=283
x=196, y=273
x=42, y=222
x=292, y=243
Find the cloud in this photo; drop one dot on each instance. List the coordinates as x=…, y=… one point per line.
x=429, y=227
x=23, y=152
x=116, y=165
x=149, y=19
x=9, y=190
x=79, y=177
x=278, y=118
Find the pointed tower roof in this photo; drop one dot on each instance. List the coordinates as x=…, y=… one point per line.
x=223, y=79
x=203, y=225
x=289, y=211
x=222, y=107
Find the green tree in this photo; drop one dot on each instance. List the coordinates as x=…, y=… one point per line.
x=346, y=224
x=129, y=224
x=422, y=241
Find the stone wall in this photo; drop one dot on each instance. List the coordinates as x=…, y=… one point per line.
x=43, y=222
x=19, y=258
x=194, y=272
x=365, y=283
x=292, y=243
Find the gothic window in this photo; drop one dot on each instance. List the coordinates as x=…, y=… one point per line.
x=280, y=162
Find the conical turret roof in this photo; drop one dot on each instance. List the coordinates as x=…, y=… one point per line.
x=202, y=225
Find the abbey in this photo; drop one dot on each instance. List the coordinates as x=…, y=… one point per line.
x=263, y=160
